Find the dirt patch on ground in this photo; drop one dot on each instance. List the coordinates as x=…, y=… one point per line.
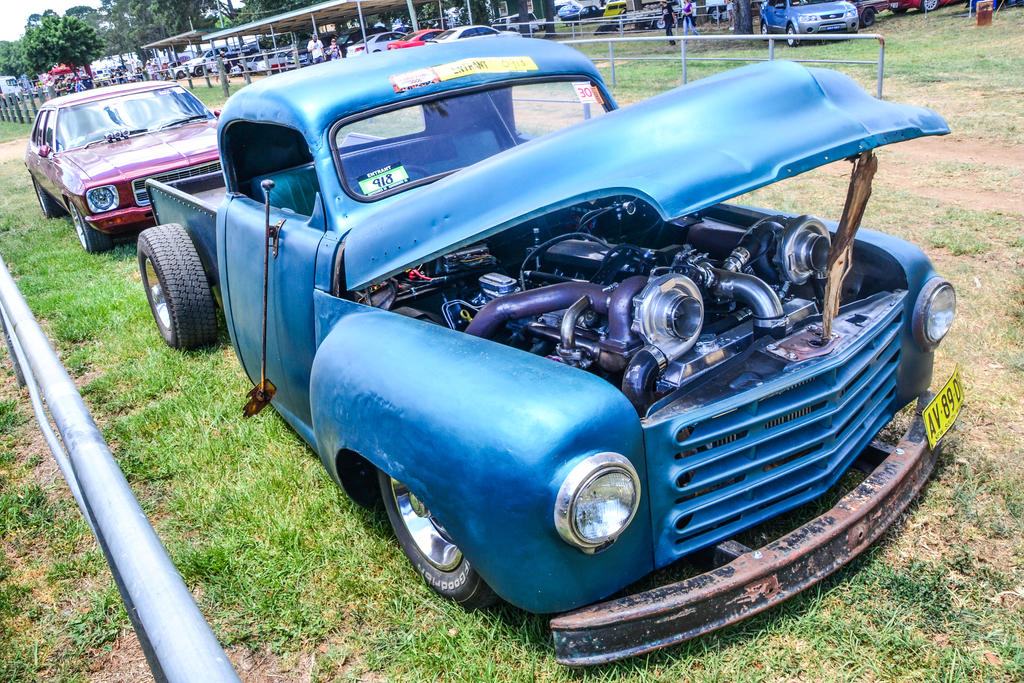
x=14, y=149
x=913, y=166
x=126, y=663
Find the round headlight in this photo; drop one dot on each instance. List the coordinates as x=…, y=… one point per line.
x=934, y=313
x=597, y=501
x=102, y=198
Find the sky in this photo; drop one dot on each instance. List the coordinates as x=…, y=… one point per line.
x=15, y=13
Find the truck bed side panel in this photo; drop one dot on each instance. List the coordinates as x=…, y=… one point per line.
x=192, y=203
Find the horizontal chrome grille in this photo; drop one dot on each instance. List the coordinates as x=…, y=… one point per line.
x=713, y=473
x=139, y=184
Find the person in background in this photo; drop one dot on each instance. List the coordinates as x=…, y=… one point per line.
x=688, y=11
x=333, y=51
x=315, y=48
x=669, y=17
x=730, y=13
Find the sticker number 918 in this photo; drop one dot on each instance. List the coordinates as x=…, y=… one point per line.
x=383, y=179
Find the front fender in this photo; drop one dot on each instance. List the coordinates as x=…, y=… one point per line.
x=483, y=434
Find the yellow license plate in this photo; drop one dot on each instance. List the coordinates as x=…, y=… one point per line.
x=941, y=411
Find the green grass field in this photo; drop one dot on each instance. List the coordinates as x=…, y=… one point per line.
x=301, y=584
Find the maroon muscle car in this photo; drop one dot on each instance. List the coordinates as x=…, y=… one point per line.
x=91, y=153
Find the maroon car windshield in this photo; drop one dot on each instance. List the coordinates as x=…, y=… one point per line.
x=135, y=113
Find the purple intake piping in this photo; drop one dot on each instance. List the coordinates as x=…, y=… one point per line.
x=617, y=305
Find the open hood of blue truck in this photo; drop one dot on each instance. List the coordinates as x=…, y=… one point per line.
x=681, y=151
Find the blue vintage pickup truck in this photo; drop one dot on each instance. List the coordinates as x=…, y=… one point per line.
x=532, y=324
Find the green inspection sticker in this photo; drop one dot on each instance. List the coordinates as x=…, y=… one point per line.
x=383, y=179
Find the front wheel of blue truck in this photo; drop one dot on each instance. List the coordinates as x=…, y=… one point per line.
x=434, y=556
x=176, y=287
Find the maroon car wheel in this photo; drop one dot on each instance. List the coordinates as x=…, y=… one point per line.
x=93, y=241
x=50, y=206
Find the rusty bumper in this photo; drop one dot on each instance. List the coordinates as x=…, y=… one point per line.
x=755, y=580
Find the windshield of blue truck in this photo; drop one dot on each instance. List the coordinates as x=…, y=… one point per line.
x=131, y=114
x=393, y=151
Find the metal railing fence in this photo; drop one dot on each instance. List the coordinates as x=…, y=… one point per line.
x=645, y=21
x=177, y=641
x=684, y=58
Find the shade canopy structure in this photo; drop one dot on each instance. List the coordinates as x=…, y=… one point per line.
x=187, y=38
x=335, y=12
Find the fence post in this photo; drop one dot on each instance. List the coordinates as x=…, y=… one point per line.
x=188, y=79
x=771, y=48
x=35, y=107
x=206, y=75
x=222, y=69
x=683, y=42
x=881, y=63
x=611, y=59
x=17, y=110
x=3, y=107
x=245, y=72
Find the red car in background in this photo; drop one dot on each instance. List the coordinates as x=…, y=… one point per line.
x=901, y=6
x=415, y=39
x=91, y=153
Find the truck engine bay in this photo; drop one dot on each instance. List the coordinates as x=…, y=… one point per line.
x=650, y=305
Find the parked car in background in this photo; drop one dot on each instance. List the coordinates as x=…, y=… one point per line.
x=9, y=85
x=375, y=43
x=271, y=61
x=414, y=39
x=558, y=391
x=348, y=39
x=511, y=22
x=868, y=10
x=577, y=10
x=798, y=18
x=647, y=18
x=471, y=31
x=194, y=66
x=91, y=153
x=901, y=6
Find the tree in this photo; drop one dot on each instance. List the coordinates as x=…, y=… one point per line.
x=12, y=61
x=35, y=19
x=549, y=18
x=89, y=15
x=744, y=17
x=67, y=40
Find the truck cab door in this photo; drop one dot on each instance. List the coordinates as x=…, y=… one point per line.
x=290, y=340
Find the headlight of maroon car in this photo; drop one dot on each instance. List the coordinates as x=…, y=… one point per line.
x=103, y=198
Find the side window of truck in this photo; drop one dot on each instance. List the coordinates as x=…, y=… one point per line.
x=261, y=151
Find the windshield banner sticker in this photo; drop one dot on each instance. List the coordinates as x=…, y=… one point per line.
x=463, y=67
x=413, y=79
x=383, y=179
x=484, y=65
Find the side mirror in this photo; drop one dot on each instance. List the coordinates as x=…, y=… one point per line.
x=44, y=151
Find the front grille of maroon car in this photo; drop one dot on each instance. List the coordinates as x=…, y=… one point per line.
x=139, y=184
x=712, y=477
